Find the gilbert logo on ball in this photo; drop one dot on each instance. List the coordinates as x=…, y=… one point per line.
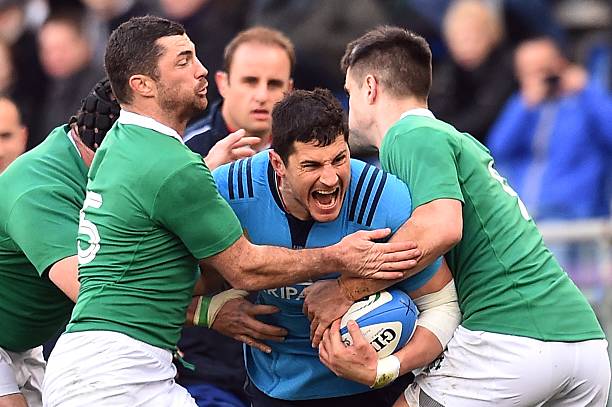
x=387, y=320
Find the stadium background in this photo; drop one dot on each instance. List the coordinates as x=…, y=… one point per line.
x=46, y=71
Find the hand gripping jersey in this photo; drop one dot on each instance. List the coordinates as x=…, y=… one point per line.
x=374, y=200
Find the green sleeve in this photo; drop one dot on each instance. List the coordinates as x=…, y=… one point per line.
x=44, y=224
x=189, y=205
x=426, y=160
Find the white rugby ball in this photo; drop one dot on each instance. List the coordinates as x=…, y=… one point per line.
x=387, y=320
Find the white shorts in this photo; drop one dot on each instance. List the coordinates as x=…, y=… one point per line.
x=484, y=369
x=22, y=372
x=103, y=368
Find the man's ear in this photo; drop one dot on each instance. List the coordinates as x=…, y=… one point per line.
x=277, y=164
x=372, y=85
x=222, y=81
x=143, y=85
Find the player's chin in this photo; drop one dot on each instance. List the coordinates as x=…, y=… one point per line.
x=325, y=213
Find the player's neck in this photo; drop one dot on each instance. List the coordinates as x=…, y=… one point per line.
x=153, y=111
x=390, y=110
x=291, y=206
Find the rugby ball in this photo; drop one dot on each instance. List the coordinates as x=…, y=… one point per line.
x=387, y=320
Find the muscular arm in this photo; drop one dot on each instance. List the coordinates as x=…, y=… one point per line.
x=251, y=267
x=359, y=361
x=64, y=274
x=435, y=227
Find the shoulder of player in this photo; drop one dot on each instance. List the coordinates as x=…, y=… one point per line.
x=370, y=187
x=38, y=202
x=420, y=130
x=244, y=180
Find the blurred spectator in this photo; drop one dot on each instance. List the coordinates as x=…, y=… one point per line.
x=66, y=55
x=103, y=16
x=257, y=74
x=210, y=24
x=320, y=30
x=470, y=88
x=13, y=134
x=258, y=65
x=28, y=80
x=553, y=140
x=6, y=69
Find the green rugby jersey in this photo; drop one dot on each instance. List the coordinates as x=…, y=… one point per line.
x=151, y=210
x=507, y=280
x=41, y=195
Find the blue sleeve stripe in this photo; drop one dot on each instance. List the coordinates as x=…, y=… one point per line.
x=379, y=190
x=362, y=177
x=240, y=183
x=230, y=181
x=366, y=197
x=250, y=177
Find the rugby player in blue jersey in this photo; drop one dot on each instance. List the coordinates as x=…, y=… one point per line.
x=307, y=192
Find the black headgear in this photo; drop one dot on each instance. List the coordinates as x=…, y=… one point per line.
x=99, y=110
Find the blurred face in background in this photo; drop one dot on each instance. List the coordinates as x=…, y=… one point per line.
x=537, y=60
x=258, y=77
x=471, y=30
x=13, y=134
x=63, y=50
x=6, y=68
x=180, y=9
x=105, y=8
x=11, y=23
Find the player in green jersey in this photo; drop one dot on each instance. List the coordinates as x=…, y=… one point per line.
x=152, y=211
x=42, y=193
x=528, y=336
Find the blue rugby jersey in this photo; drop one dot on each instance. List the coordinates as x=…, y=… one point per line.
x=374, y=200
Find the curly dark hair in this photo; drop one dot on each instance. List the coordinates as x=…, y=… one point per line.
x=399, y=58
x=132, y=49
x=309, y=117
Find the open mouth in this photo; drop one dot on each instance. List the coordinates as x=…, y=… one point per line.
x=262, y=113
x=326, y=199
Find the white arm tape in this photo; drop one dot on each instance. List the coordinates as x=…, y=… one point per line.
x=217, y=301
x=439, y=313
x=387, y=370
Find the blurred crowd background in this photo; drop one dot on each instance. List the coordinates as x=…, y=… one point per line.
x=531, y=79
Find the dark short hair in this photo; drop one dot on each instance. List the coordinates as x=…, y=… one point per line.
x=309, y=117
x=259, y=35
x=132, y=49
x=97, y=114
x=399, y=58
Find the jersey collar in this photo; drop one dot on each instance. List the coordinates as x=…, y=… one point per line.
x=70, y=134
x=136, y=119
x=419, y=111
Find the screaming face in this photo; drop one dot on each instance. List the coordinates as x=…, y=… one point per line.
x=313, y=182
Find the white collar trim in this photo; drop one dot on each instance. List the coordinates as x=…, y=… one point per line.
x=71, y=136
x=419, y=111
x=136, y=119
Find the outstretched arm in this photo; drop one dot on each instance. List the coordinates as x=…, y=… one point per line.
x=251, y=267
x=435, y=227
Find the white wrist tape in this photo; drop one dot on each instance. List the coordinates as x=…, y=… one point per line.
x=208, y=308
x=439, y=313
x=387, y=370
